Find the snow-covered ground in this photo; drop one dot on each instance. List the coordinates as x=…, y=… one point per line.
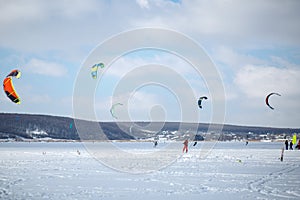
x=231, y=170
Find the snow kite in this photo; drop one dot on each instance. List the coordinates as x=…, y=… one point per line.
x=267, y=99
x=9, y=87
x=200, y=101
x=94, y=69
x=112, y=109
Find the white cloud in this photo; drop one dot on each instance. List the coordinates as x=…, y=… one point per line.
x=256, y=76
x=124, y=65
x=37, y=66
x=127, y=63
x=231, y=58
x=57, y=26
x=157, y=4
x=232, y=22
x=12, y=12
x=35, y=10
x=257, y=81
x=278, y=61
x=67, y=26
x=143, y=3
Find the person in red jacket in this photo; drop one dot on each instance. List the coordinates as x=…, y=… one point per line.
x=185, y=146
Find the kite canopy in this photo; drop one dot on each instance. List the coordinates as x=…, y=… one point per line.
x=8, y=86
x=267, y=99
x=112, y=109
x=200, y=101
x=94, y=69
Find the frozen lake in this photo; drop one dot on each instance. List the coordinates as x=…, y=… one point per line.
x=231, y=170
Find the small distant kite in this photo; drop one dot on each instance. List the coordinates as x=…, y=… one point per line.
x=94, y=70
x=200, y=101
x=8, y=86
x=112, y=109
x=267, y=99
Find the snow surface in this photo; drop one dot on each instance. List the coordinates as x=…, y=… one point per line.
x=231, y=170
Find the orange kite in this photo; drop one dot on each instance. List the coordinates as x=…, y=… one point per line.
x=9, y=87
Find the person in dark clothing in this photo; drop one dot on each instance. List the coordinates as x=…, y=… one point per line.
x=291, y=145
x=286, y=144
x=155, y=143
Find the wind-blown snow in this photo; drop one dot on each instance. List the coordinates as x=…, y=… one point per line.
x=232, y=170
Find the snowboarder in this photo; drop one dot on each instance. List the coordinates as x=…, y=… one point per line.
x=185, y=146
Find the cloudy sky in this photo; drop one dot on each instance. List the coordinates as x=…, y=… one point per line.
x=254, y=45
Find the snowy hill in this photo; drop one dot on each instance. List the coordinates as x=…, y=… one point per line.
x=44, y=126
x=40, y=126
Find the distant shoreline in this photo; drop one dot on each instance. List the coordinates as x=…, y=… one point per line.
x=112, y=141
